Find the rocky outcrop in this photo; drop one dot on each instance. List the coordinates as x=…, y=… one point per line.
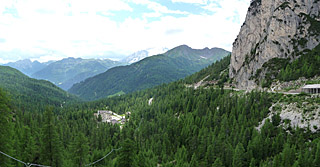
x=303, y=114
x=273, y=29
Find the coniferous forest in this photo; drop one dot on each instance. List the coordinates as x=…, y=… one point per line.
x=240, y=111
x=182, y=127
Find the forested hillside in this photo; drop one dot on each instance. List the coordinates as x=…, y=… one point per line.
x=28, y=92
x=181, y=127
x=168, y=67
x=216, y=71
x=307, y=65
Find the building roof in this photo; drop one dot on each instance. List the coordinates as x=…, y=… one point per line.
x=104, y=111
x=312, y=86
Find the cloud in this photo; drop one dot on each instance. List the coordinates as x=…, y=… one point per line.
x=158, y=9
x=47, y=26
x=99, y=5
x=230, y=9
x=217, y=26
x=174, y=31
x=191, y=1
x=43, y=59
x=43, y=29
x=3, y=61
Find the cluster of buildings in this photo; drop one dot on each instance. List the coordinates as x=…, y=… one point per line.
x=110, y=117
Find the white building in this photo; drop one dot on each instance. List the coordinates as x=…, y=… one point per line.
x=104, y=112
x=313, y=89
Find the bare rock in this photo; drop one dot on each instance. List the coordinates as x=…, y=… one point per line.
x=273, y=29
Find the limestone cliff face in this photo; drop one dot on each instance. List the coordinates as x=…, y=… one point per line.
x=273, y=29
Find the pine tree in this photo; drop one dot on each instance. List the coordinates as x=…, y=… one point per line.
x=126, y=154
x=194, y=162
x=29, y=146
x=252, y=162
x=288, y=155
x=51, y=149
x=296, y=164
x=181, y=157
x=145, y=159
x=316, y=161
x=276, y=161
x=210, y=154
x=310, y=71
x=5, y=129
x=217, y=163
x=99, y=118
x=80, y=150
x=238, y=157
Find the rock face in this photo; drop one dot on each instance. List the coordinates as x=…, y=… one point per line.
x=273, y=29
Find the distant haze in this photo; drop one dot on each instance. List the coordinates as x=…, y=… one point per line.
x=46, y=30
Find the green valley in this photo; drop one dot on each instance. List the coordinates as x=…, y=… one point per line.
x=258, y=106
x=181, y=127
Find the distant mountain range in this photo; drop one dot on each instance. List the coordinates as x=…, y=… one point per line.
x=27, y=66
x=27, y=91
x=137, y=56
x=68, y=71
x=151, y=71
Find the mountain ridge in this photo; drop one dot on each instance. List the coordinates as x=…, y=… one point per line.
x=27, y=66
x=68, y=71
x=175, y=64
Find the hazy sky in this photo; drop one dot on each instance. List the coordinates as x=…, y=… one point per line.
x=52, y=29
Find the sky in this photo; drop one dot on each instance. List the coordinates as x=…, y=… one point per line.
x=46, y=30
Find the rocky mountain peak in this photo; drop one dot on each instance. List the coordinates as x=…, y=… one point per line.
x=139, y=55
x=273, y=29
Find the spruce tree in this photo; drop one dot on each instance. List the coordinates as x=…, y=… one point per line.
x=276, y=161
x=316, y=161
x=238, y=156
x=5, y=129
x=288, y=155
x=181, y=157
x=296, y=164
x=51, y=150
x=126, y=153
x=252, y=162
x=80, y=150
x=28, y=145
x=145, y=159
x=217, y=163
x=194, y=162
